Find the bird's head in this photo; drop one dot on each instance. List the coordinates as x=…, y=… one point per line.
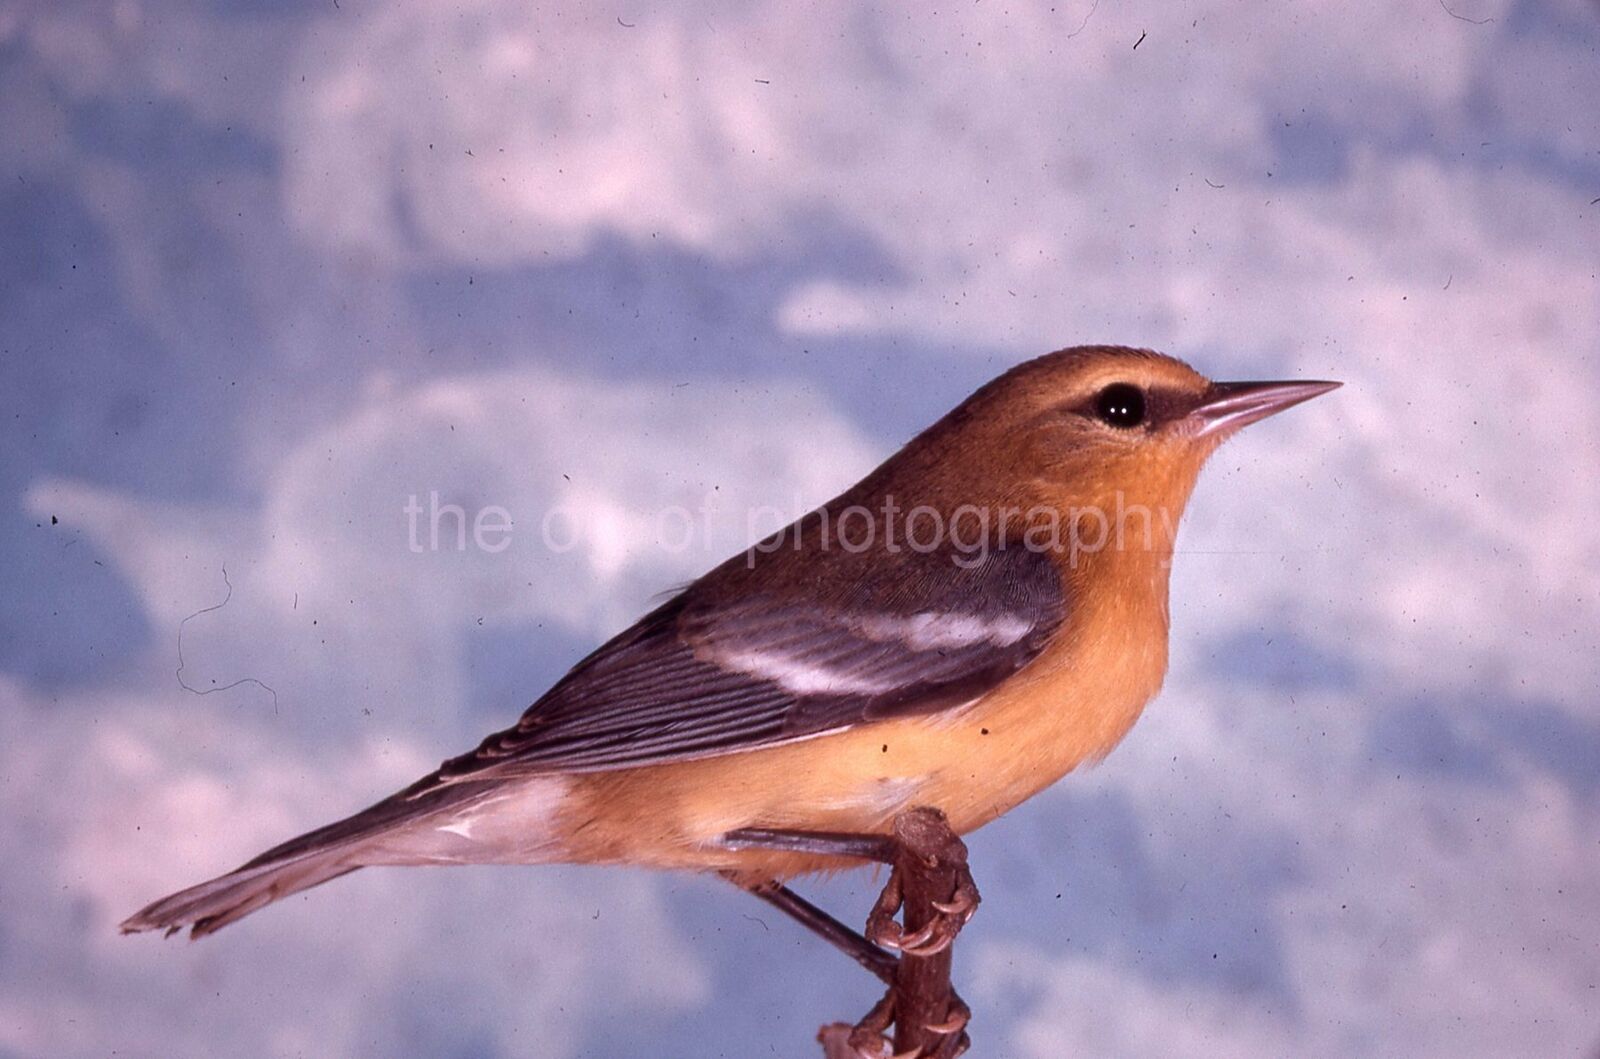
x=1103, y=429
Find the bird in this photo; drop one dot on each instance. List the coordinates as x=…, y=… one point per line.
x=979, y=616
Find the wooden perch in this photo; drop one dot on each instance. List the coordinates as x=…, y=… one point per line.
x=933, y=890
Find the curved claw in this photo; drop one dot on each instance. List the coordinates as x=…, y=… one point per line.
x=886, y=937
x=963, y=904
x=957, y=1048
x=958, y=1016
x=916, y=940
x=930, y=947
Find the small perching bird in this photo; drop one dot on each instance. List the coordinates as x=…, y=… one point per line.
x=977, y=617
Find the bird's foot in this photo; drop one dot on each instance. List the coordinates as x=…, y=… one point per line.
x=867, y=1039
x=870, y=1039
x=945, y=919
x=931, y=889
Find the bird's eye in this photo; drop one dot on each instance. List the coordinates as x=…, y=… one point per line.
x=1120, y=404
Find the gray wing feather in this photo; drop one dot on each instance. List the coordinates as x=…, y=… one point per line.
x=701, y=676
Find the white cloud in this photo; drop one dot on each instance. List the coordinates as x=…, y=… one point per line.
x=1030, y=176
x=1080, y=1007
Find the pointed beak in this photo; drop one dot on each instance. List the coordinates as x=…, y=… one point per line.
x=1229, y=406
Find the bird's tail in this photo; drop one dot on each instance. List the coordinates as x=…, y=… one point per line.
x=299, y=864
x=213, y=905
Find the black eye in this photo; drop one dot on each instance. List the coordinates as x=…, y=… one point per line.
x=1121, y=405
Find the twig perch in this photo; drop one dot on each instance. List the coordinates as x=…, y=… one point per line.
x=933, y=890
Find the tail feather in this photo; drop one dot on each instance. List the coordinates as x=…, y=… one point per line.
x=299, y=864
x=212, y=905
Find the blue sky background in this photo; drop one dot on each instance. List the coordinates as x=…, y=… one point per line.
x=271, y=269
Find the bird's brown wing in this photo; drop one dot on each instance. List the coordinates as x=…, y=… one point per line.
x=705, y=674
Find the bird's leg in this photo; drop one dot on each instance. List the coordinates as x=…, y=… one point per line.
x=868, y=1038
x=881, y=848
x=814, y=919
x=934, y=843
x=930, y=882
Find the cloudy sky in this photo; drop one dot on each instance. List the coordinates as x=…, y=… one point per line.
x=273, y=269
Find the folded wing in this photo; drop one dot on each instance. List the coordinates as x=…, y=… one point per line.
x=713, y=673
